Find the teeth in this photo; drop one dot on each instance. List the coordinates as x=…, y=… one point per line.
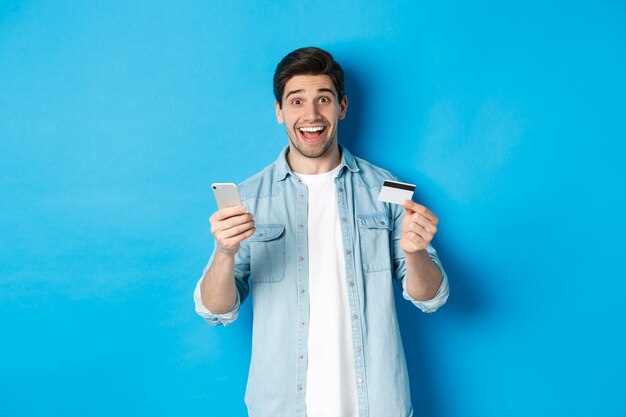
x=312, y=129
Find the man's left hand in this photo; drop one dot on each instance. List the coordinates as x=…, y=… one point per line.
x=418, y=227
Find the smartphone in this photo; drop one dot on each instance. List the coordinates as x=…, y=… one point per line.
x=226, y=194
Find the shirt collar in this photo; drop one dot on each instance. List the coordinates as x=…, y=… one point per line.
x=282, y=167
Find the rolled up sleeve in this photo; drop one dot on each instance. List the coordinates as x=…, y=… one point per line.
x=212, y=318
x=440, y=298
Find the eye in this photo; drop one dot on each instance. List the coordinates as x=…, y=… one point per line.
x=296, y=101
x=324, y=100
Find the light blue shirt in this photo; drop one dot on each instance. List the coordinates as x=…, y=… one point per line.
x=272, y=267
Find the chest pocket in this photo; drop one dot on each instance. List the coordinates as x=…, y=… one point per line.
x=267, y=253
x=375, y=234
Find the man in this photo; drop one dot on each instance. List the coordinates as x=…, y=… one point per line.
x=319, y=254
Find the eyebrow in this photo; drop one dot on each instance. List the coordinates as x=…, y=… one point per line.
x=319, y=90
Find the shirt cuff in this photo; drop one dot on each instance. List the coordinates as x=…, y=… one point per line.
x=211, y=318
x=440, y=298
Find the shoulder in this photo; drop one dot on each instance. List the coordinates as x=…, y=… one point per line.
x=372, y=176
x=260, y=185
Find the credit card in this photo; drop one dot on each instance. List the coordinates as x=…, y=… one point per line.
x=396, y=192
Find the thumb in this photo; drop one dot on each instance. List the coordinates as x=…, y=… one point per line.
x=406, y=205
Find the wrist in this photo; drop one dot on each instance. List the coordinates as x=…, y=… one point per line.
x=225, y=254
x=421, y=253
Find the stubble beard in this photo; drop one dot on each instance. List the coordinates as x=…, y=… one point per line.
x=313, y=152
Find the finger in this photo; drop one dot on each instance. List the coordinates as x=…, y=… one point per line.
x=420, y=231
x=248, y=233
x=235, y=231
x=412, y=206
x=408, y=207
x=426, y=223
x=235, y=240
x=227, y=212
x=415, y=240
x=416, y=237
x=236, y=221
x=218, y=226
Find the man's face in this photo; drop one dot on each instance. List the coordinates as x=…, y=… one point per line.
x=310, y=113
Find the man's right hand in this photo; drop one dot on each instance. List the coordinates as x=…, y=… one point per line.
x=230, y=226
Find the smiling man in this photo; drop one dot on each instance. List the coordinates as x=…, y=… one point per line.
x=310, y=112
x=318, y=253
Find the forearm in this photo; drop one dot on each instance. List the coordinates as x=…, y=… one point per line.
x=218, y=290
x=423, y=276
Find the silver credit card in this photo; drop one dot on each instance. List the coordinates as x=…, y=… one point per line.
x=396, y=192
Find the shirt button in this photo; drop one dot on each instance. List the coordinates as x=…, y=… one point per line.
x=299, y=387
x=344, y=219
x=358, y=349
x=354, y=316
x=340, y=189
x=301, y=258
x=301, y=196
x=360, y=380
x=300, y=226
x=352, y=283
x=260, y=235
x=301, y=356
x=348, y=252
x=301, y=323
x=302, y=290
x=382, y=222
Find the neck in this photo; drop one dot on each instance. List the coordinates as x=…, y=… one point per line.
x=311, y=166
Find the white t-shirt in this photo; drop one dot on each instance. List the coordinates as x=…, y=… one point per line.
x=331, y=378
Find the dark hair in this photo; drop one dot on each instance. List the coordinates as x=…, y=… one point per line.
x=307, y=61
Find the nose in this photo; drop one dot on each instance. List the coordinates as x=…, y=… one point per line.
x=311, y=112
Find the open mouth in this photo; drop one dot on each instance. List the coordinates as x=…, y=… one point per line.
x=311, y=133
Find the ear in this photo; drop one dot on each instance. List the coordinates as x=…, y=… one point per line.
x=279, y=113
x=343, y=107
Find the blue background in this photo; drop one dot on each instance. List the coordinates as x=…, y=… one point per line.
x=115, y=117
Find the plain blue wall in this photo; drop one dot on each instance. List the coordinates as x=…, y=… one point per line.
x=116, y=116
